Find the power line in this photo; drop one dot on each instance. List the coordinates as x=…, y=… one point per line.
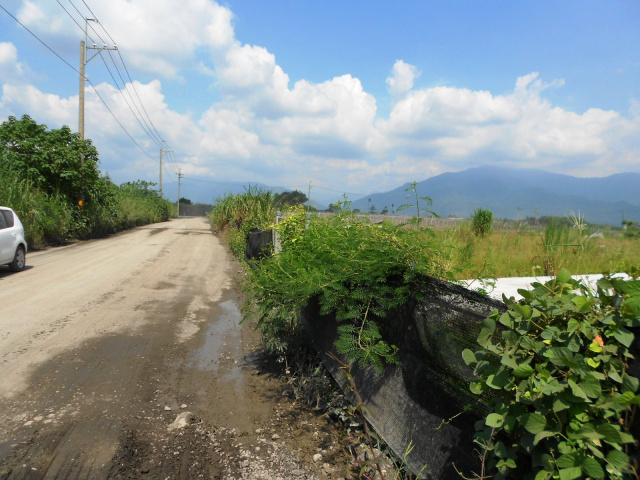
x=131, y=82
x=76, y=70
x=43, y=43
x=139, y=117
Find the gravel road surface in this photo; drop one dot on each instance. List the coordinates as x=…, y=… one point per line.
x=124, y=358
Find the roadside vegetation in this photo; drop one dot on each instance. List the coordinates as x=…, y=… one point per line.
x=552, y=372
x=52, y=180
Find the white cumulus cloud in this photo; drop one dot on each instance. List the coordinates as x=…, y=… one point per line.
x=402, y=78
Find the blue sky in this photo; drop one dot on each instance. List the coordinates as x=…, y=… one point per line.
x=350, y=96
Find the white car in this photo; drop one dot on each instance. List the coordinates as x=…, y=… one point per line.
x=13, y=247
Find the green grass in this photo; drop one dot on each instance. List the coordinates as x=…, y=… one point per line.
x=514, y=251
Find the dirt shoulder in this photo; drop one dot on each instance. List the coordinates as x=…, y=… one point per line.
x=152, y=377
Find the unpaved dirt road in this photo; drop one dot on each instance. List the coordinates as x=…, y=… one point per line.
x=104, y=344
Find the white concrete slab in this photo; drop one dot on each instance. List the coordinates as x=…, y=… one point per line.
x=509, y=286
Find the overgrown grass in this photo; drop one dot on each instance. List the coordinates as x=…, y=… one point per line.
x=53, y=219
x=514, y=252
x=236, y=215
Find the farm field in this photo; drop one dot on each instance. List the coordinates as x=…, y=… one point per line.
x=520, y=252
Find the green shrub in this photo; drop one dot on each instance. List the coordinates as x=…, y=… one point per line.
x=482, y=221
x=357, y=271
x=553, y=371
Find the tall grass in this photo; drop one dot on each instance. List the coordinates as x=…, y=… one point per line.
x=235, y=215
x=53, y=219
x=513, y=252
x=47, y=219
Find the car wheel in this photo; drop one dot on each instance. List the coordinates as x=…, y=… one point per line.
x=19, y=260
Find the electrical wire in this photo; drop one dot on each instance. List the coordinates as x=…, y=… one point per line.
x=85, y=77
x=139, y=117
x=125, y=68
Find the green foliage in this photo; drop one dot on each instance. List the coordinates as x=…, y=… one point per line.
x=553, y=371
x=290, y=198
x=631, y=229
x=43, y=175
x=255, y=208
x=482, y=221
x=356, y=271
x=416, y=221
x=49, y=159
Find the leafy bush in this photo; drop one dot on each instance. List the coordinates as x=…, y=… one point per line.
x=553, y=371
x=356, y=271
x=482, y=221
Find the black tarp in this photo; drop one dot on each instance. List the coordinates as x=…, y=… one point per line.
x=259, y=245
x=422, y=400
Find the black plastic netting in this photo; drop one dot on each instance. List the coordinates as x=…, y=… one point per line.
x=423, y=400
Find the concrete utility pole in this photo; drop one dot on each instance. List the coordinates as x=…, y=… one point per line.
x=83, y=78
x=179, y=179
x=162, y=150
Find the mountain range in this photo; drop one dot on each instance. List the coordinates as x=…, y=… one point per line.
x=508, y=192
x=518, y=193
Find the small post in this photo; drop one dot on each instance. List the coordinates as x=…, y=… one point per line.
x=275, y=234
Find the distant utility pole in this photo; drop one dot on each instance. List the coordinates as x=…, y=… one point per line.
x=162, y=150
x=179, y=180
x=309, y=198
x=83, y=78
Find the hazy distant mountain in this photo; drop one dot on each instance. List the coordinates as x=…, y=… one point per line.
x=513, y=193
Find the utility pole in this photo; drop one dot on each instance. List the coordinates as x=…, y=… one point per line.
x=162, y=150
x=83, y=78
x=179, y=179
x=309, y=198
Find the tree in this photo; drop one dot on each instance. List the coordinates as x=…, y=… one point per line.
x=184, y=201
x=290, y=198
x=56, y=161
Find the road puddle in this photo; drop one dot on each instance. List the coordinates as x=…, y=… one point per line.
x=222, y=349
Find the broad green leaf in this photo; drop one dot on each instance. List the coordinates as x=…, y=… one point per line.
x=613, y=375
x=590, y=386
x=554, y=386
x=533, y=422
x=523, y=371
x=631, y=287
x=592, y=468
x=477, y=387
x=469, y=357
x=543, y=475
x=570, y=473
x=494, y=420
x=509, y=361
x=574, y=343
x=593, y=363
x=573, y=324
x=618, y=459
x=577, y=391
x=542, y=435
x=624, y=336
x=610, y=433
x=568, y=460
x=550, y=333
x=487, y=331
x=631, y=306
x=583, y=304
x=498, y=380
x=630, y=383
x=560, y=403
x=564, y=276
x=626, y=438
x=506, y=320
